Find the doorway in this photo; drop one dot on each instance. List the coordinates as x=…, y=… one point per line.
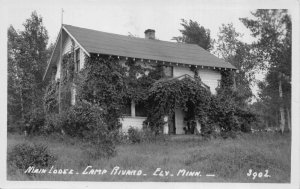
x=171, y=123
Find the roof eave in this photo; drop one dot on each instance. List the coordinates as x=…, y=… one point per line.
x=157, y=60
x=57, y=46
x=69, y=33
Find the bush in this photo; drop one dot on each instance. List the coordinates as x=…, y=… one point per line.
x=228, y=134
x=34, y=121
x=134, y=135
x=247, y=118
x=119, y=137
x=82, y=119
x=15, y=127
x=85, y=122
x=54, y=122
x=24, y=155
x=100, y=146
x=151, y=136
x=229, y=114
x=146, y=135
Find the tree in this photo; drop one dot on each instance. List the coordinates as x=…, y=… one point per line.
x=193, y=33
x=231, y=49
x=27, y=59
x=14, y=97
x=272, y=28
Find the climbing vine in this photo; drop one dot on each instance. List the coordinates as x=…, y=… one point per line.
x=167, y=95
x=51, y=98
x=195, y=70
x=102, y=82
x=65, y=83
x=139, y=78
x=109, y=84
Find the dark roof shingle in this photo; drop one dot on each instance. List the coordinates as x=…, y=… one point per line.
x=112, y=44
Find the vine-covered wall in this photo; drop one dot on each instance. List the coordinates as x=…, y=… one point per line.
x=108, y=84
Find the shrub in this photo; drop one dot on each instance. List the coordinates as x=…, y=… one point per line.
x=119, y=137
x=34, y=121
x=228, y=134
x=54, y=122
x=85, y=122
x=15, y=127
x=83, y=119
x=148, y=135
x=229, y=114
x=134, y=135
x=100, y=146
x=24, y=155
x=247, y=118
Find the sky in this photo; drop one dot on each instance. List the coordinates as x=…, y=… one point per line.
x=135, y=16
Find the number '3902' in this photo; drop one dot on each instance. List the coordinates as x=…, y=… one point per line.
x=255, y=174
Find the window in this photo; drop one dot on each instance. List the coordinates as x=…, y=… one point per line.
x=77, y=60
x=140, y=110
x=127, y=108
x=134, y=109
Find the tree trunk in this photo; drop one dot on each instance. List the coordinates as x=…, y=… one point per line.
x=22, y=103
x=33, y=109
x=288, y=119
x=281, y=109
x=21, y=93
x=277, y=119
x=282, y=119
x=234, y=81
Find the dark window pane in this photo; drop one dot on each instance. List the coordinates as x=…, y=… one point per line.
x=127, y=109
x=77, y=61
x=140, y=110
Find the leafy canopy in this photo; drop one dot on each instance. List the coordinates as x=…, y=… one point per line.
x=193, y=33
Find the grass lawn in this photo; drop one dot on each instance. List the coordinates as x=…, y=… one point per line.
x=228, y=160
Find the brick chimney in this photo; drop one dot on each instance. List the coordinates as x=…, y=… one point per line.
x=149, y=34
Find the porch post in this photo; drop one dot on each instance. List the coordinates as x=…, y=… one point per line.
x=132, y=108
x=166, y=125
x=198, y=127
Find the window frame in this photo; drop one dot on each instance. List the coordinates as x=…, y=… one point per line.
x=77, y=60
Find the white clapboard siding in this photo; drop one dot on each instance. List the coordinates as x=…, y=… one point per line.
x=82, y=58
x=67, y=48
x=57, y=76
x=135, y=122
x=209, y=77
x=179, y=71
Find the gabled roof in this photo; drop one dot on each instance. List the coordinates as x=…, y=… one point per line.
x=92, y=41
x=181, y=77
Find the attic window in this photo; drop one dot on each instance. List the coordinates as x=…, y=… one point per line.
x=77, y=60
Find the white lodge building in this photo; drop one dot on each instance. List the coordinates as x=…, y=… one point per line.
x=177, y=59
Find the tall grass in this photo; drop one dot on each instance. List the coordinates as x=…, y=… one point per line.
x=229, y=160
